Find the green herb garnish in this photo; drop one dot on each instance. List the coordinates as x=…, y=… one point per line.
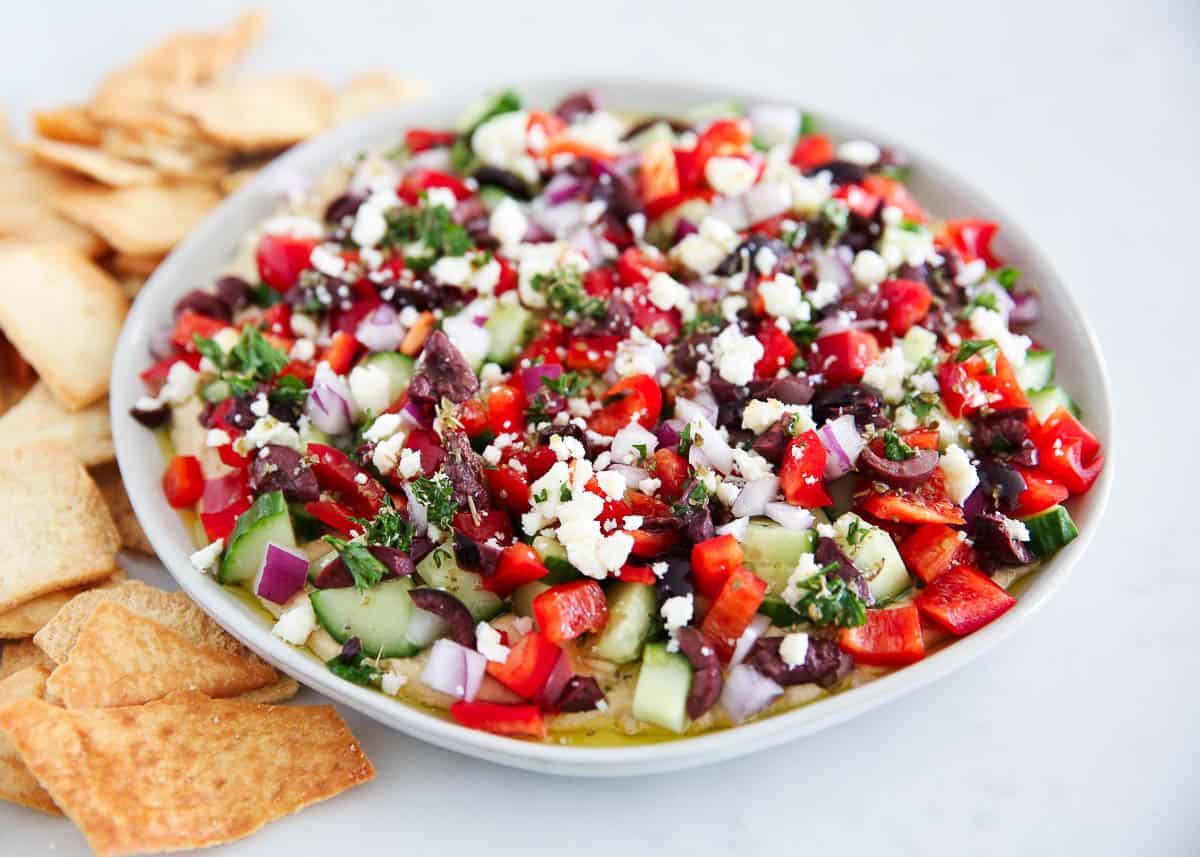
x=894, y=447
x=569, y=384
x=387, y=528
x=432, y=227
x=359, y=673
x=437, y=496
x=1006, y=277
x=685, y=440
x=825, y=599
x=985, y=348
x=366, y=570
x=566, y=297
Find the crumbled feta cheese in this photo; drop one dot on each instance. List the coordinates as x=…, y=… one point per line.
x=782, y=297
x=809, y=193
x=507, y=223
x=960, y=474
x=440, y=197
x=391, y=682
x=765, y=260
x=612, y=484
x=386, y=455
x=731, y=306
x=303, y=350
x=736, y=355
x=217, y=437
x=971, y=273
x=794, y=649
x=486, y=278
x=305, y=326
x=898, y=246
x=384, y=426
x=180, y=385
x=1016, y=530
x=869, y=268
x=369, y=387
x=639, y=355
x=861, y=152
x=501, y=142
x=727, y=492
x=904, y=419
x=227, y=338
x=989, y=324
x=205, y=559
x=676, y=612
x=886, y=373
x=369, y=225
x=327, y=260
x=488, y=644
x=410, y=464
x=703, y=251
x=650, y=485
x=260, y=407
x=266, y=431
x=566, y=447
x=760, y=415
x=667, y=293
x=293, y=225
x=825, y=293
x=729, y=176
x=296, y=623
x=805, y=568
x=538, y=259
x=751, y=465
x=451, y=270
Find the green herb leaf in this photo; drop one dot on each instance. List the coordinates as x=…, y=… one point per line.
x=1006, y=277
x=895, y=449
x=388, y=529
x=986, y=348
x=825, y=599
x=256, y=357
x=433, y=227
x=359, y=673
x=566, y=297
x=685, y=440
x=920, y=403
x=366, y=570
x=569, y=384
x=808, y=124
x=437, y=496
x=262, y=295
x=209, y=348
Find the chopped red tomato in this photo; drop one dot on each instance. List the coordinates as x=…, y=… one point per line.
x=191, y=323
x=664, y=326
x=301, y=370
x=645, y=505
x=420, y=139
x=278, y=319
x=637, y=397
x=778, y=351
x=812, y=150
x=230, y=458
x=528, y=665
x=926, y=504
x=963, y=600
x=637, y=574
x=518, y=564
x=895, y=193
x=508, y=276
x=648, y=544
x=482, y=526
x=514, y=721
x=591, y=354
x=600, y=282
x=972, y=239
x=1067, y=452
x=890, y=638
x=672, y=470
x=731, y=612
x=473, y=416
x=568, y=610
x=225, y=491
x=537, y=461
x=340, y=352
x=219, y=525
x=336, y=472
x=337, y=517
x=802, y=474
x=183, y=482
x=933, y=549
x=509, y=488
x=658, y=176
x=722, y=138
x=506, y=410
x=908, y=301
x=281, y=259
x=1041, y=492
x=419, y=181
x=844, y=356
x=979, y=380
x=713, y=560
x=661, y=206
x=920, y=438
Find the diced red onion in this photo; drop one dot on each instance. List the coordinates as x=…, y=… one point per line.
x=632, y=475
x=381, y=329
x=669, y=431
x=757, y=627
x=831, y=267
x=774, y=123
x=704, y=405
x=732, y=210
x=625, y=442
x=454, y=670
x=221, y=493
x=788, y=516
x=838, y=322
x=1025, y=309
x=736, y=528
x=417, y=513
x=755, y=496
x=531, y=376
x=747, y=692
x=711, y=450
x=282, y=574
x=161, y=345
x=684, y=228
x=415, y=415
x=842, y=441
x=559, y=676
x=585, y=240
x=328, y=405
x=764, y=201
x=564, y=187
x=472, y=341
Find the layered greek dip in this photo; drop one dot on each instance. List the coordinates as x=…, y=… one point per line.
x=587, y=425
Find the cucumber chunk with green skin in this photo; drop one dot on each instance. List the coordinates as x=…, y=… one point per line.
x=488, y=107
x=522, y=597
x=215, y=391
x=632, y=609
x=659, y=132
x=662, y=688
x=874, y=554
x=713, y=110
x=379, y=617
x=440, y=570
x=1038, y=370
x=554, y=557
x=1050, y=530
x=772, y=551
x=509, y=326
x=1048, y=400
x=398, y=368
x=264, y=522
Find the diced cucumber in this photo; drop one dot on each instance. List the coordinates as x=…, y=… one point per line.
x=485, y=108
x=712, y=110
x=379, y=617
x=772, y=551
x=424, y=628
x=440, y=570
x=522, y=597
x=309, y=433
x=1050, y=530
x=265, y=522
x=398, y=368
x=1049, y=399
x=918, y=344
x=215, y=391
x=491, y=196
x=874, y=554
x=554, y=556
x=632, y=608
x=658, y=132
x=1038, y=369
x=662, y=688
x=509, y=327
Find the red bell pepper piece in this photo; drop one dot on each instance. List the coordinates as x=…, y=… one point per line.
x=926, y=504
x=418, y=181
x=731, y=612
x=972, y=239
x=509, y=488
x=282, y=258
x=844, y=356
x=812, y=150
x=636, y=397
x=890, y=638
x=933, y=549
x=971, y=384
x=713, y=560
x=662, y=205
x=340, y=352
x=506, y=410
x=183, y=481
x=963, y=600
x=427, y=443
x=518, y=564
x=858, y=199
x=218, y=525
x=420, y=139
x=664, y=326
x=907, y=301
x=721, y=138
x=358, y=490
x=230, y=458
x=487, y=525
x=591, y=354
x=528, y=665
x=895, y=193
x=1067, y=452
x=191, y=323
x=1041, y=492
x=672, y=470
x=514, y=721
x=778, y=351
x=648, y=544
x=473, y=416
x=637, y=574
x=157, y=374
x=337, y=517
x=802, y=474
x=568, y=610
x=301, y=370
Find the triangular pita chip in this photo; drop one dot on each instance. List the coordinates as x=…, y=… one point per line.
x=185, y=772
x=40, y=417
x=72, y=351
x=280, y=691
x=375, y=91
x=108, y=479
x=258, y=114
x=142, y=220
x=91, y=162
x=70, y=124
x=27, y=619
x=17, y=784
x=57, y=530
x=15, y=657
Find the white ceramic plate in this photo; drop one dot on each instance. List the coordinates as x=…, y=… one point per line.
x=203, y=255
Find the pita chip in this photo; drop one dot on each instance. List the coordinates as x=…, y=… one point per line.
x=108, y=479
x=280, y=691
x=17, y=784
x=142, y=220
x=40, y=417
x=91, y=162
x=259, y=113
x=27, y=619
x=70, y=124
x=15, y=657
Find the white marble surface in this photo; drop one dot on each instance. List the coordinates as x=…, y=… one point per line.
x=1078, y=735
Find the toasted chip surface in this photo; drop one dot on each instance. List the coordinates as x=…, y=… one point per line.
x=17, y=784
x=57, y=530
x=108, y=478
x=185, y=772
x=40, y=417
x=91, y=162
x=143, y=220
x=25, y=210
x=258, y=114
x=70, y=124
x=15, y=657
x=279, y=691
x=72, y=351
x=123, y=658
x=27, y=619
x=374, y=91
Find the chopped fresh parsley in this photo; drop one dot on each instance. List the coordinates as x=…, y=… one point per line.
x=569, y=384
x=564, y=493
x=685, y=440
x=432, y=227
x=921, y=404
x=541, y=496
x=895, y=171
x=289, y=389
x=894, y=447
x=911, y=226
x=359, y=673
x=643, y=451
x=251, y=361
x=366, y=570
x=388, y=528
x=264, y=296
x=987, y=300
x=697, y=498
x=437, y=496
x=985, y=348
x=1006, y=277
x=705, y=322
x=856, y=532
x=808, y=124
x=825, y=599
x=507, y=101
x=837, y=214
x=566, y=297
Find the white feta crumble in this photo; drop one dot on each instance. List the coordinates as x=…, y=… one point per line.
x=989, y=324
x=488, y=644
x=266, y=431
x=638, y=355
x=959, y=472
x=805, y=568
x=782, y=297
x=501, y=142
x=303, y=350
x=305, y=326
x=327, y=260
x=750, y=464
x=731, y=306
x=1016, y=530
x=677, y=612
x=765, y=260
x=391, y=682
x=440, y=197
x=729, y=176
x=611, y=483
x=904, y=419
x=296, y=623
x=794, y=649
x=825, y=293
x=540, y=259
x=760, y=415
x=971, y=273
x=369, y=225
x=217, y=437
x=205, y=559
x=869, y=268
x=861, y=152
x=886, y=373
x=809, y=193
x=451, y=270
x=667, y=293
x=370, y=389
x=736, y=355
x=704, y=250
x=260, y=407
x=507, y=223
x=180, y=385
x=409, y=464
x=650, y=485
x=384, y=426
x=227, y=338
x=727, y=492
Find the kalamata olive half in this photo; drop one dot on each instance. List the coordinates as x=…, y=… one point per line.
x=580, y=693
x=825, y=663
x=234, y=291
x=204, y=303
x=706, y=671
x=441, y=603
x=280, y=468
x=908, y=473
x=156, y=416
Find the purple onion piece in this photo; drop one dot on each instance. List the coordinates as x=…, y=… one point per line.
x=706, y=671
x=581, y=693
x=443, y=604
